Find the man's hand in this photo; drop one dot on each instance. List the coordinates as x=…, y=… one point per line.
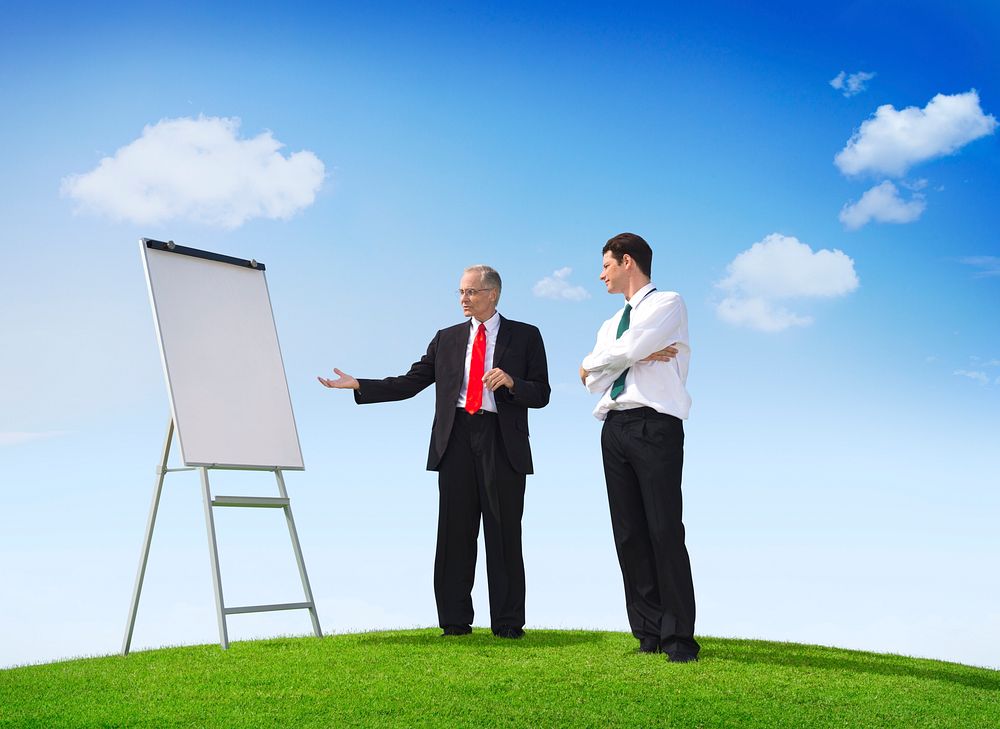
x=497, y=378
x=583, y=376
x=664, y=355
x=343, y=382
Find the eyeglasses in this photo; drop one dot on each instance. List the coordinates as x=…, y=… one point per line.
x=473, y=292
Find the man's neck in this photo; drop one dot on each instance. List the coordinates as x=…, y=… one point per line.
x=485, y=318
x=632, y=288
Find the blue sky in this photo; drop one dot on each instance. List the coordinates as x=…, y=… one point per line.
x=841, y=467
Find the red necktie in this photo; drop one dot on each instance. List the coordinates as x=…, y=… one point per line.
x=474, y=395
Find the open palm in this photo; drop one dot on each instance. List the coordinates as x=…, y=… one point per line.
x=344, y=381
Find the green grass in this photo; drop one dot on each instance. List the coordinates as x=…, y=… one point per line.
x=548, y=679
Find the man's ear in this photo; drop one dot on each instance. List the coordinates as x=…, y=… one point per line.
x=627, y=259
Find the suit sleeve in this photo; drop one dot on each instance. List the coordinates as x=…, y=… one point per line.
x=420, y=375
x=531, y=391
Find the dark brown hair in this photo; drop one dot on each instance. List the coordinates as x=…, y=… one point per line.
x=637, y=249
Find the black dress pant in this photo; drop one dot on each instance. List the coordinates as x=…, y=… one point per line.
x=476, y=481
x=643, y=458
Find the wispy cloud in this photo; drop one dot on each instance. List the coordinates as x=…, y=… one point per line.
x=852, y=84
x=977, y=375
x=987, y=265
x=557, y=286
x=892, y=140
x=915, y=185
x=983, y=362
x=198, y=170
x=17, y=438
x=779, y=268
x=882, y=203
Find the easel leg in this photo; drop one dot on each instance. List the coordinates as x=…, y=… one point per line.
x=150, y=523
x=213, y=553
x=317, y=631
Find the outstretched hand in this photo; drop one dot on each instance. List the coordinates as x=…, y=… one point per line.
x=664, y=355
x=343, y=382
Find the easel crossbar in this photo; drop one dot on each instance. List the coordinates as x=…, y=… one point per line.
x=259, y=502
x=269, y=608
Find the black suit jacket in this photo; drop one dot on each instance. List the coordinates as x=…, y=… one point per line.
x=519, y=352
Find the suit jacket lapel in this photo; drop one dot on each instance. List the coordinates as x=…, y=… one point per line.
x=503, y=339
x=455, y=356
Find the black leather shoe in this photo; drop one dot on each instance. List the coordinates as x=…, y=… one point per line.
x=683, y=658
x=508, y=631
x=649, y=645
x=456, y=630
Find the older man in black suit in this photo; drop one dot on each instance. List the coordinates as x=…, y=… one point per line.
x=487, y=372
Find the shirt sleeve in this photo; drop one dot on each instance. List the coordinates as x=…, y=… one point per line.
x=602, y=379
x=663, y=326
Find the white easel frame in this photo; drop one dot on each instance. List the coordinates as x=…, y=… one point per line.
x=267, y=502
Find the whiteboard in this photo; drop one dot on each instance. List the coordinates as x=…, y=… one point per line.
x=219, y=347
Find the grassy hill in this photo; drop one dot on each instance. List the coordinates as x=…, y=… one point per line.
x=547, y=679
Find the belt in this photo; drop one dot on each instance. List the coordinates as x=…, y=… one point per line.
x=463, y=411
x=639, y=413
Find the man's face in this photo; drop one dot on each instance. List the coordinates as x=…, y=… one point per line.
x=613, y=274
x=481, y=304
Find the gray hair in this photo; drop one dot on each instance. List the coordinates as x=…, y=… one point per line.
x=488, y=277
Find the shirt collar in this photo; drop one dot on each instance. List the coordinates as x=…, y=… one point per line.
x=492, y=324
x=640, y=294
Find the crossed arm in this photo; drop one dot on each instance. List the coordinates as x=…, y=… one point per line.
x=663, y=355
x=654, y=339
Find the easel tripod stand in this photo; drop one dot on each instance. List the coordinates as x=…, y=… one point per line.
x=260, y=502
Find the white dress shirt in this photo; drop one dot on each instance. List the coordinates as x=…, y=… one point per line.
x=492, y=327
x=657, y=319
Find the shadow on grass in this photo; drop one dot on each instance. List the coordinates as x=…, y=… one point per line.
x=793, y=656
x=482, y=636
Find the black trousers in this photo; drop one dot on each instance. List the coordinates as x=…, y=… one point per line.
x=643, y=458
x=476, y=481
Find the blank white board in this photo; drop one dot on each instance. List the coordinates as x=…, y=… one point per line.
x=221, y=359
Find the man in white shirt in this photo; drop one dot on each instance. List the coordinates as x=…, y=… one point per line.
x=640, y=365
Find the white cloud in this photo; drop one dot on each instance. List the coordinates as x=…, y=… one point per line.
x=17, y=438
x=892, y=141
x=760, y=314
x=198, y=170
x=853, y=84
x=557, y=286
x=976, y=375
x=781, y=267
x=776, y=268
x=883, y=204
x=987, y=265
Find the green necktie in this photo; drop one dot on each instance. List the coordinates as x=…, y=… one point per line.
x=619, y=386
